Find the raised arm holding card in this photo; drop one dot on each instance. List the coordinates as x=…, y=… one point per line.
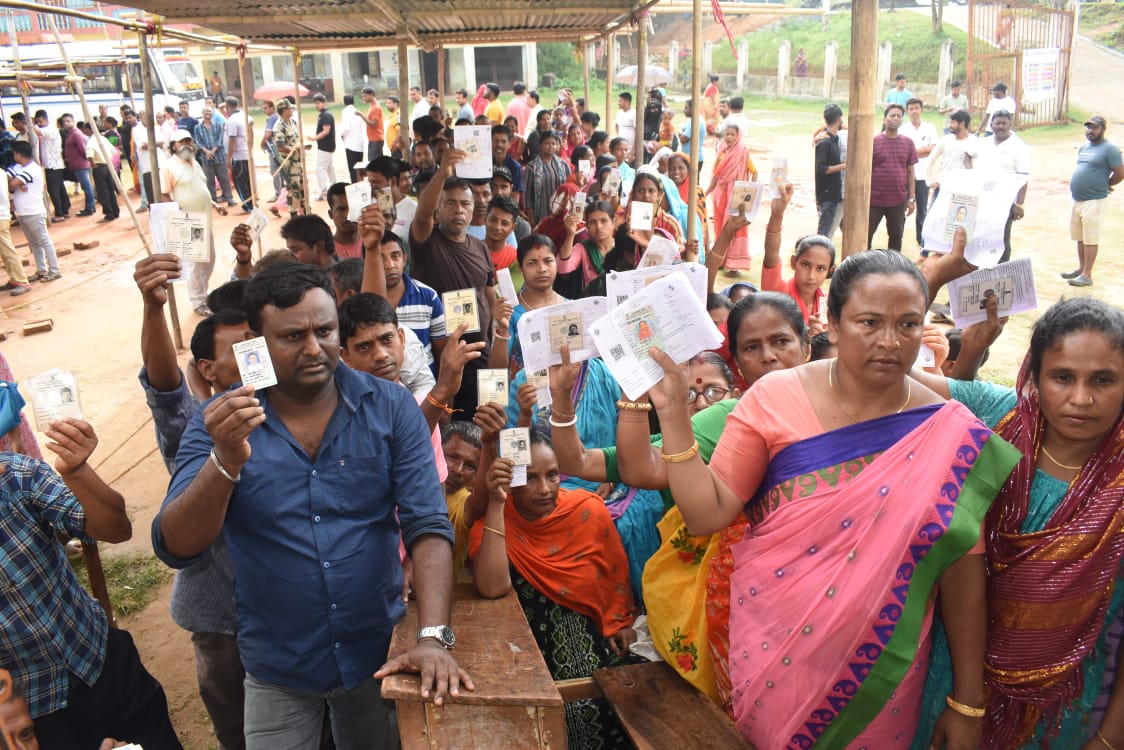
x=158, y=353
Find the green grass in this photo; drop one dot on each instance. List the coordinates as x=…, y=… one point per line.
x=133, y=580
x=1104, y=22
x=916, y=48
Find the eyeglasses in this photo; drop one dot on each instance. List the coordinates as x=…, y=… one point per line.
x=713, y=394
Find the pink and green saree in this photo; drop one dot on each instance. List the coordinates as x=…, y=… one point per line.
x=832, y=585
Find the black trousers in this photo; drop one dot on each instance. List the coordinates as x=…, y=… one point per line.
x=56, y=188
x=106, y=191
x=240, y=171
x=353, y=158
x=125, y=703
x=895, y=224
x=922, y=208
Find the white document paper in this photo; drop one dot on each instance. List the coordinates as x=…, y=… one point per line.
x=53, y=396
x=1012, y=283
x=540, y=380
x=476, y=141
x=926, y=357
x=661, y=251
x=358, y=198
x=189, y=235
x=778, y=177
x=640, y=215
x=746, y=196
x=665, y=314
x=254, y=364
x=507, y=286
x=995, y=191
x=158, y=223
x=257, y=223
x=620, y=285
x=543, y=331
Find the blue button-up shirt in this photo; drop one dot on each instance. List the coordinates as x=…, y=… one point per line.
x=50, y=628
x=314, y=541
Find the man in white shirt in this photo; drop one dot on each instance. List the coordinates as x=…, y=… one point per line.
x=999, y=102
x=924, y=137
x=50, y=156
x=237, y=127
x=421, y=105
x=957, y=150
x=1006, y=152
x=626, y=119
x=182, y=180
x=353, y=133
x=17, y=278
x=25, y=181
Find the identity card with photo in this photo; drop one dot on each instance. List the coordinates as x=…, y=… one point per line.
x=778, y=176
x=578, y=204
x=491, y=387
x=515, y=444
x=54, y=395
x=358, y=198
x=540, y=380
x=254, y=365
x=257, y=223
x=460, y=307
x=746, y=196
x=189, y=235
x=640, y=215
x=612, y=184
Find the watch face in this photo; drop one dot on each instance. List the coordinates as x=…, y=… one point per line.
x=447, y=636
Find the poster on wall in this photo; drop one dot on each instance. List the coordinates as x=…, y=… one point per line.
x=1040, y=73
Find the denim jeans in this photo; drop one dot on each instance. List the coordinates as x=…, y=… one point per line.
x=82, y=176
x=830, y=216
x=218, y=669
x=278, y=718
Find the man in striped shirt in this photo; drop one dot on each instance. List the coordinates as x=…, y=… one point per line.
x=418, y=306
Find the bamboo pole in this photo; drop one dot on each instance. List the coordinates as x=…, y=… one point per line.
x=641, y=96
x=32, y=136
x=154, y=174
x=403, y=96
x=441, y=79
x=860, y=125
x=698, y=132
x=250, y=142
x=610, y=66
x=585, y=75
x=305, y=207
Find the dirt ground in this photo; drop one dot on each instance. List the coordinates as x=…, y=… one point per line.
x=96, y=312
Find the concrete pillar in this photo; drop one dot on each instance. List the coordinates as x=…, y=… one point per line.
x=470, y=84
x=673, y=58
x=743, y=63
x=266, y=62
x=944, y=77
x=830, y=57
x=883, y=75
x=708, y=57
x=784, y=59
x=530, y=65
x=339, y=87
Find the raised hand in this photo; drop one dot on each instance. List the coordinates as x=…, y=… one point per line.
x=671, y=391
x=372, y=227
x=229, y=420
x=72, y=441
x=152, y=275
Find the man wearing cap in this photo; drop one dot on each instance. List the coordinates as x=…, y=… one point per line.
x=502, y=187
x=182, y=180
x=1099, y=167
x=999, y=102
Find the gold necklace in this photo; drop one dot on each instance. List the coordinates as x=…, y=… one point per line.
x=843, y=406
x=1058, y=463
x=527, y=305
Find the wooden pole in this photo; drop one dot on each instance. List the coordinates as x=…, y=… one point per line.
x=251, y=142
x=698, y=132
x=305, y=208
x=860, y=125
x=32, y=136
x=403, y=95
x=154, y=175
x=585, y=75
x=641, y=96
x=610, y=69
x=441, y=79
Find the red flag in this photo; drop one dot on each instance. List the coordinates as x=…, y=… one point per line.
x=716, y=8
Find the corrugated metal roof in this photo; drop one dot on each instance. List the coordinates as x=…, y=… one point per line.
x=375, y=23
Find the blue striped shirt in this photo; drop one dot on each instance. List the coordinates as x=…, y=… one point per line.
x=421, y=311
x=51, y=627
x=210, y=137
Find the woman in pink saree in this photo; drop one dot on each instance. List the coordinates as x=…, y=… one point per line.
x=862, y=490
x=733, y=165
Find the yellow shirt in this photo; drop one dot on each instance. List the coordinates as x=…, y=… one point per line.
x=494, y=112
x=392, y=128
x=456, y=503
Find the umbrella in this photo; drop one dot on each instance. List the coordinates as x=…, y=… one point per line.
x=278, y=89
x=652, y=74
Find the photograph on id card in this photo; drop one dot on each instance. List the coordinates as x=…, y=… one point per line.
x=640, y=216
x=491, y=387
x=254, y=365
x=515, y=444
x=460, y=307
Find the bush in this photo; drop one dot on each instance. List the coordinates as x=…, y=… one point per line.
x=559, y=58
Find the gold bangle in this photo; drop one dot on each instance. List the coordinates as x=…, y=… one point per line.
x=562, y=416
x=1104, y=742
x=963, y=710
x=633, y=405
x=678, y=458
x=495, y=531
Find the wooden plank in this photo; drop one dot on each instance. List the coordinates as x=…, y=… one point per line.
x=578, y=689
x=659, y=709
x=464, y=727
x=553, y=735
x=412, y=726
x=494, y=645
x=38, y=326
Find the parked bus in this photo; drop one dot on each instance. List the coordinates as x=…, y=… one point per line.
x=174, y=79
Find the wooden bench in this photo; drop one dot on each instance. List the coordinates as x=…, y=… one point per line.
x=515, y=704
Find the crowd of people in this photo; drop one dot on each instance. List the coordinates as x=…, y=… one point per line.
x=836, y=545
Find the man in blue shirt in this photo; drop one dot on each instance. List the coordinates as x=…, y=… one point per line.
x=1099, y=167
x=313, y=482
x=899, y=94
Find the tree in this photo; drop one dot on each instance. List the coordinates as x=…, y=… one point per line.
x=936, y=9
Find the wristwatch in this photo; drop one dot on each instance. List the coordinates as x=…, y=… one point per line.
x=443, y=634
